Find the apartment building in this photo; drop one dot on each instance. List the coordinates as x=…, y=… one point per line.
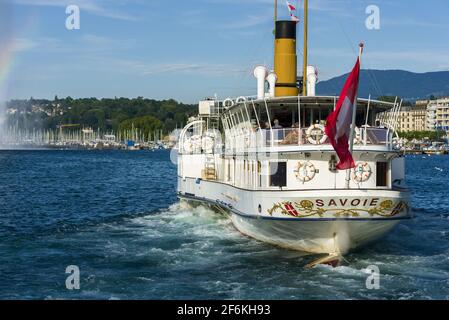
x=407, y=120
x=438, y=115
x=412, y=119
x=426, y=115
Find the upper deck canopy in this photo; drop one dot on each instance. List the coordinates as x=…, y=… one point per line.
x=313, y=102
x=296, y=111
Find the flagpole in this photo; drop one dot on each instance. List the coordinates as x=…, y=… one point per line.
x=275, y=14
x=304, y=71
x=354, y=116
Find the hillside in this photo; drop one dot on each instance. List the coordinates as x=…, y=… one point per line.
x=98, y=114
x=408, y=85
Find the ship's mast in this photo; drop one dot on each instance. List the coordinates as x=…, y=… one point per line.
x=275, y=14
x=304, y=74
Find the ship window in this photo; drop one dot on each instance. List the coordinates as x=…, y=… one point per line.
x=381, y=174
x=278, y=174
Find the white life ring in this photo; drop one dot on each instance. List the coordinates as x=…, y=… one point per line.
x=314, y=138
x=362, y=172
x=228, y=103
x=305, y=172
x=240, y=99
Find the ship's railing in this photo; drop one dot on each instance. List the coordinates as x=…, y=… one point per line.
x=244, y=138
x=285, y=137
x=303, y=137
x=295, y=136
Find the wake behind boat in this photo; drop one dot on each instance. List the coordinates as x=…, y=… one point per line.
x=270, y=161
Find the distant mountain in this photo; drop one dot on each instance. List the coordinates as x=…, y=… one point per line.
x=407, y=85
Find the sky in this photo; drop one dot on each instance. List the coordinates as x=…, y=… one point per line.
x=188, y=50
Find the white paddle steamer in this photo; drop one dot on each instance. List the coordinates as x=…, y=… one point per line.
x=267, y=163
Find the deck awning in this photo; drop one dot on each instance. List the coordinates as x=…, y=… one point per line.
x=317, y=102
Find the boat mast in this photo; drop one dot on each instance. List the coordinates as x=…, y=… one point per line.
x=275, y=13
x=304, y=71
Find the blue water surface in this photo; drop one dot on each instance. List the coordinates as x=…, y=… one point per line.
x=115, y=215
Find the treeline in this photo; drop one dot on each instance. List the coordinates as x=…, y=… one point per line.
x=421, y=135
x=103, y=114
x=393, y=99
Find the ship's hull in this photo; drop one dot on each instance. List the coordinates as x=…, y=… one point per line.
x=336, y=222
x=332, y=236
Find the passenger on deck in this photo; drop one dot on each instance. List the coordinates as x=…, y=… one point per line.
x=278, y=131
x=254, y=126
x=277, y=125
x=293, y=137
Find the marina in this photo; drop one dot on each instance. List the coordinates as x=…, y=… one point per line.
x=86, y=139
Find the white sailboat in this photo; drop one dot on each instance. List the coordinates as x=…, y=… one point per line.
x=267, y=162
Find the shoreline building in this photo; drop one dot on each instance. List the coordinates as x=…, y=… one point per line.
x=438, y=115
x=425, y=115
x=408, y=119
x=412, y=119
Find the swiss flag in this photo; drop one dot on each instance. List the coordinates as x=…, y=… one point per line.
x=338, y=126
x=292, y=10
x=291, y=7
x=291, y=210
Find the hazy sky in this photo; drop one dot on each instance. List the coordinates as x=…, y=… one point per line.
x=190, y=49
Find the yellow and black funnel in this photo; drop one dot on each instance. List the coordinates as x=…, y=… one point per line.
x=285, y=60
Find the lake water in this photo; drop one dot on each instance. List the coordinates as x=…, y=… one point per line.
x=115, y=215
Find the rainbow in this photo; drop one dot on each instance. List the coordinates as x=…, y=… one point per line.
x=6, y=63
x=10, y=44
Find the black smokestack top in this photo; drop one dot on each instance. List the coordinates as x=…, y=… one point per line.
x=285, y=30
